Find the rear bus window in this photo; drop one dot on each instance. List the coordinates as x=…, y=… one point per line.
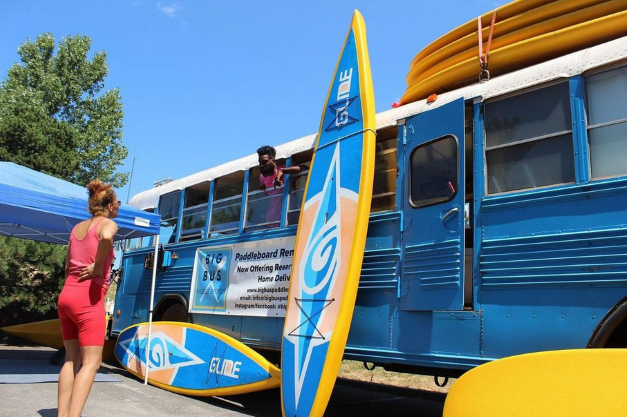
x=529, y=140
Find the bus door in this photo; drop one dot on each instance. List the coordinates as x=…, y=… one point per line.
x=133, y=287
x=433, y=204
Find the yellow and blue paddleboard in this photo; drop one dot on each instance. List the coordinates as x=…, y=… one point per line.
x=562, y=383
x=331, y=234
x=194, y=360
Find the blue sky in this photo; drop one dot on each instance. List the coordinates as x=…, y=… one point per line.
x=205, y=82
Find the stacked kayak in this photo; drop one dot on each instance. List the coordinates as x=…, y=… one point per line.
x=525, y=32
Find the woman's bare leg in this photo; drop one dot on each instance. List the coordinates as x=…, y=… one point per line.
x=91, y=360
x=66, y=376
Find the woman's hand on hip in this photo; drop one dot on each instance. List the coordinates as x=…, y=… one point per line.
x=87, y=273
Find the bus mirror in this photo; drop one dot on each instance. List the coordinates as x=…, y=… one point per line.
x=164, y=259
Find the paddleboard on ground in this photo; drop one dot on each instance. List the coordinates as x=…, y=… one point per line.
x=194, y=360
x=563, y=383
x=48, y=333
x=331, y=234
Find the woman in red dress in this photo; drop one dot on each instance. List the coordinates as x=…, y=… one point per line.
x=81, y=303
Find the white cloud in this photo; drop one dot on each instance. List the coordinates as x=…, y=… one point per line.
x=169, y=10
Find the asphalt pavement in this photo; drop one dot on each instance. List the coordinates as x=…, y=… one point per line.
x=121, y=394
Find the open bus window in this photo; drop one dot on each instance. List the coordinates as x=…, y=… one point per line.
x=385, y=169
x=195, y=211
x=264, y=207
x=227, y=204
x=434, y=172
x=169, y=205
x=529, y=140
x=297, y=186
x=606, y=110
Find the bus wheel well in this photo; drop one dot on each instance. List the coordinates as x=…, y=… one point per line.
x=612, y=330
x=171, y=308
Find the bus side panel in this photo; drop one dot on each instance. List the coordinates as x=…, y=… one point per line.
x=441, y=333
x=522, y=321
x=377, y=297
x=541, y=252
x=446, y=339
x=372, y=320
x=262, y=332
x=229, y=325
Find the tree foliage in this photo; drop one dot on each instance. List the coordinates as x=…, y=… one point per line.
x=56, y=118
x=31, y=278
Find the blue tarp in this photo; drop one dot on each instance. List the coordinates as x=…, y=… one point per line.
x=37, y=206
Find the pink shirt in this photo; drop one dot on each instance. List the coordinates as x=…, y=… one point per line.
x=275, y=203
x=83, y=253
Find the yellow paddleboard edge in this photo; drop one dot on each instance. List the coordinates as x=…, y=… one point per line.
x=563, y=383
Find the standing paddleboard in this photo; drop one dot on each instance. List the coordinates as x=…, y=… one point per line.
x=331, y=234
x=194, y=360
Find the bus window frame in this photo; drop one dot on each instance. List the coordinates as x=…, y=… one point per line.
x=240, y=197
x=197, y=231
x=572, y=132
x=588, y=127
x=178, y=218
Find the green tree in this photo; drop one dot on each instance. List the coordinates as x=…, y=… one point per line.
x=55, y=117
x=31, y=278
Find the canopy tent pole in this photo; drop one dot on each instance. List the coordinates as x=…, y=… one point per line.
x=152, y=300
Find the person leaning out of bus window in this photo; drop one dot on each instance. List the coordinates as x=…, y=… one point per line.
x=271, y=179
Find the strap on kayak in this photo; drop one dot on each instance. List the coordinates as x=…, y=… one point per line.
x=484, y=75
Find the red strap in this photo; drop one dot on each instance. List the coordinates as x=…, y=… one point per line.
x=483, y=59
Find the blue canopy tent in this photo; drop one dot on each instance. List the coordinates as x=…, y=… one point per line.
x=39, y=207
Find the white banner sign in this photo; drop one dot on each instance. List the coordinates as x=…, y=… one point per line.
x=244, y=279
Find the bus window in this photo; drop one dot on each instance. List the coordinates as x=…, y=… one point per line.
x=434, y=172
x=169, y=205
x=297, y=186
x=227, y=204
x=606, y=109
x=529, y=140
x=195, y=211
x=264, y=207
x=384, y=186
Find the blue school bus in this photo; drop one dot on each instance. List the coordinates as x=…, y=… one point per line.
x=498, y=227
